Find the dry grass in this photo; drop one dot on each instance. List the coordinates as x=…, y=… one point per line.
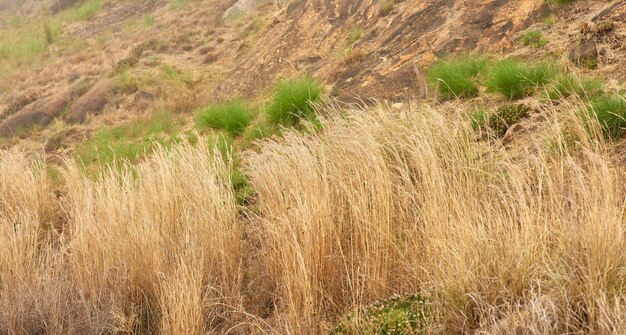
x=498, y=240
x=382, y=203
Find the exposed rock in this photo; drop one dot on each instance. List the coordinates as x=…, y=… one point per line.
x=38, y=113
x=92, y=102
x=414, y=32
x=584, y=53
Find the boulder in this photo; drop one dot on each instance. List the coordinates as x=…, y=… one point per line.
x=92, y=102
x=38, y=113
x=584, y=53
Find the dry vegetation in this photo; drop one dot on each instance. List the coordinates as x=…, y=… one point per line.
x=379, y=202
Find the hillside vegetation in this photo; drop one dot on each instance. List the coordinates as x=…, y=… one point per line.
x=312, y=167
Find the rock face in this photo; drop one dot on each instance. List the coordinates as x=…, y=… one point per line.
x=38, y=113
x=92, y=102
x=306, y=36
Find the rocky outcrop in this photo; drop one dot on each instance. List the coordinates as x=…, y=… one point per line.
x=309, y=34
x=92, y=102
x=38, y=113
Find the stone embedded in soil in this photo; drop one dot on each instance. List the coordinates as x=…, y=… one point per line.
x=92, y=102
x=583, y=53
x=38, y=113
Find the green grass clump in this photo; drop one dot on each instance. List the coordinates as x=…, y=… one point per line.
x=292, y=101
x=233, y=117
x=505, y=117
x=397, y=316
x=610, y=112
x=565, y=85
x=456, y=77
x=515, y=80
x=534, y=38
x=128, y=142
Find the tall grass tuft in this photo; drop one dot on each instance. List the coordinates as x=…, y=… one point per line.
x=610, y=111
x=515, y=80
x=456, y=77
x=232, y=116
x=292, y=101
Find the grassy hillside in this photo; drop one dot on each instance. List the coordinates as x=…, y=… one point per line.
x=374, y=167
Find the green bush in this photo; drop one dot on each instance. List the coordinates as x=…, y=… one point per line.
x=456, y=77
x=505, y=117
x=397, y=316
x=292, y=101
x=233, y=117
x=516, y=80
x=610, y=111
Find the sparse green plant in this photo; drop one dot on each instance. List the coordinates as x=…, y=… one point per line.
x=506, y=116
x=292, y=100
x=354, y=36
x=232, y=116
x=128, y=142
x=534, y=38
x=400, y=315
x=148, y=20
x=178, y=4
x=549, y=19
x=50, y=32
x=223, y=144
x=84, y=11
x=259, y=130
x=456, y=77
x=610, y=112
x=478, y=118
x=515, y=80
x=386, y=6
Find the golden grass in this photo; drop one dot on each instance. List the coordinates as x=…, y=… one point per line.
x=526, y=239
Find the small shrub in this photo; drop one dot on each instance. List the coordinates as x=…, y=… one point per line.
x=534, y=38
x=386, y=6
x=610, y=112
x=457, y=77
x=355, y=36
x=397, y=316
x=515, y=80
x=292, y=101
x=233, y=116
x=505, y=117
